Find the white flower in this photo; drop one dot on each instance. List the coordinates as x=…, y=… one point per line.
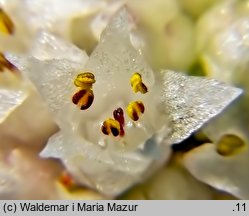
x=175, y=106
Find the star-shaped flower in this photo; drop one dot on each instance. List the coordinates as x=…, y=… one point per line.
x=134, y=114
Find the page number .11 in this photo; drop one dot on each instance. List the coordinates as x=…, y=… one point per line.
x=240, y=207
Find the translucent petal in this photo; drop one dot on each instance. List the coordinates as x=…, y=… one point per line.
x=96, y=168
x=48, y=47
x=228, y=173
x=192, y=101
x=51, y=65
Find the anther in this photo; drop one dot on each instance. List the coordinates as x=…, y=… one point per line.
x=84, y=80
x=230, y=144
x=111, y=126
x=6, y=24
x=137, y=83
x=83, y=98
x=118, y=115
x=135, y=109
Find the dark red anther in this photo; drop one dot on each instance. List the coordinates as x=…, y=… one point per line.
x=118, y=115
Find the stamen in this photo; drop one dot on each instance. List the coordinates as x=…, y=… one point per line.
x=84, y=80
x=110, y=126
x=135, y=109
x=230, y=144
x=137, y=84
x=83, y=98
x=118, y=115
x=6, y=24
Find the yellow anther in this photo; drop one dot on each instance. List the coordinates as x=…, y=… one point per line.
x=230, y=144
x=83, y=98
x=84, y=80
x=135, y=109
x=137, y=83
x=111, y=126
x=6, y=25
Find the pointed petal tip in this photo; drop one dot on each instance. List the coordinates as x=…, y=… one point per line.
x=193, y=101
x=53, y=147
